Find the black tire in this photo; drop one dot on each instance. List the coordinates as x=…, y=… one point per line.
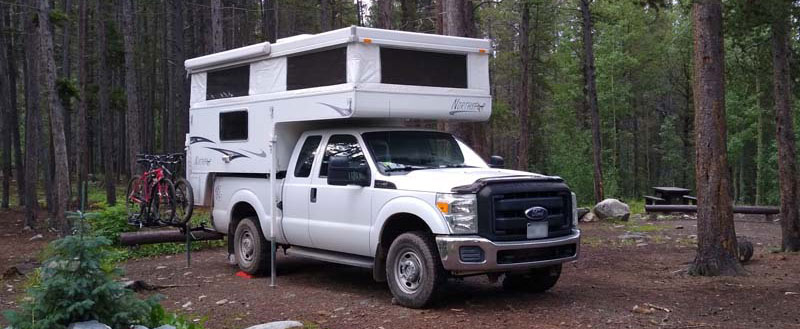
x=162, y=202
x=134, y=198
x=414, y=271
x=536, y=280
x=184, y=201
x=250, y=247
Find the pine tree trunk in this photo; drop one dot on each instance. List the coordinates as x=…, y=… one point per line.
x=523, y=106
x=216, y=26
x=325, y=15
x=5, y=113
x=268, y=16
x=60, y=157
x=103, y=103
x=82, y=132
x=716, y=236
x=385, y=9
x=13, y=70
x=32, y=117
x=180, y=109
x=590, y=98
x=784, y=127
x=133, y=115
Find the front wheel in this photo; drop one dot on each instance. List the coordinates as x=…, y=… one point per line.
x=413, y=269
x=184, y=201
x=536, y=280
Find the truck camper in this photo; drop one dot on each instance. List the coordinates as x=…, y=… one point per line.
x=301, y=144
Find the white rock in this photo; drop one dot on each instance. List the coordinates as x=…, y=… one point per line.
x=186, y=305
x=222, y=301
x=612, y=209
x=36, y=237
x=88, y=325
x=589, y=217
x=278, y=325
x=139, y=326
x=166, y=326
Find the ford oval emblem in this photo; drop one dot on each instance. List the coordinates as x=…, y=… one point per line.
x=537, y=213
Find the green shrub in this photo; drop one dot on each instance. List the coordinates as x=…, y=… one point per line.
x=77, y=284
x=110, y=222
x=158, y=316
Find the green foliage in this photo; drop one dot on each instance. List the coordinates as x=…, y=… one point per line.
x=76, y=284
x=158, y=316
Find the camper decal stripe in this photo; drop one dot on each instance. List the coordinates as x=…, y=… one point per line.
x=341, y=110
x=231, y=154
x=198, y=139
x=263, y=154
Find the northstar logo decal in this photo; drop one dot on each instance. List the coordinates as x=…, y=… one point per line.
x=460, y=106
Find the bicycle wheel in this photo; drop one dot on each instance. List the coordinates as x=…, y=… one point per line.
x=184, y=200
x=134, y=199
x=162, y=202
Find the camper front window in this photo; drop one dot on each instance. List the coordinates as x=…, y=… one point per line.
x=400, y=152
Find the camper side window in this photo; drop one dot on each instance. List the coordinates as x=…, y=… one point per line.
x=233, y=126
x=322, y=68
x=306, y=157
x=226, y=83
x=341, y=145
x=423, y=68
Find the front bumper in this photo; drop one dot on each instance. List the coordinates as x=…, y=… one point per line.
x=507, y=256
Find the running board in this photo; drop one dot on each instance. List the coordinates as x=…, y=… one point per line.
x=330, y=256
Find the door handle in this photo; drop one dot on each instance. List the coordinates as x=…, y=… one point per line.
x=313, y=194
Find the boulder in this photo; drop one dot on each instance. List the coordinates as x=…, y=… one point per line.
x=589, y=217
x=582, y=212
x=612, y=209
x=88, y=325
x=278, y=325
x=166, y=326
x=139, y=326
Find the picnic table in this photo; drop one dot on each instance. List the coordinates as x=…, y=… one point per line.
x=670, y=195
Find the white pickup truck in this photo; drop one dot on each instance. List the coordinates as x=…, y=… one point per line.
x=326, y=170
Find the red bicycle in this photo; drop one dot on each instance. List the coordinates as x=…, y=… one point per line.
x=150, y=197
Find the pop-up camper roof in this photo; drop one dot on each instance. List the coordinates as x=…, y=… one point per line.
x=353, y=72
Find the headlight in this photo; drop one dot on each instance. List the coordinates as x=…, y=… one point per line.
x=460, y=211
x=574, y=210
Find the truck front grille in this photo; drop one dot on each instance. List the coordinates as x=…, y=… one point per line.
x=535, y=255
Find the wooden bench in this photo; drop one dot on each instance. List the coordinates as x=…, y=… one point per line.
x=653, y=200
x=690, y=199
x=753, y=210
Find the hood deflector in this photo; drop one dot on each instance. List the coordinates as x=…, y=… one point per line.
x=481, y=183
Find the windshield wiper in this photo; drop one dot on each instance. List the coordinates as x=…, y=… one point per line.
x=456, y=166
x=403, y=169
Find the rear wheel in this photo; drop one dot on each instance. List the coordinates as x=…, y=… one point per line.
x=184, y=201
x=413, y=269
x=250, y=248
x=162, y=202
x=535, y=280
x=134, y=199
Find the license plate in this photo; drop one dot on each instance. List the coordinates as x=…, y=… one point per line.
x=537, y=230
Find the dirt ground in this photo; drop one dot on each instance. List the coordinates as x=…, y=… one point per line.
x=598, y=291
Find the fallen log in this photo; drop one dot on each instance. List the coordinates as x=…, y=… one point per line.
x=757, y=210
x=164, y=236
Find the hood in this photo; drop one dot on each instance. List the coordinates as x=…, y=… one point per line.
x=443, y=180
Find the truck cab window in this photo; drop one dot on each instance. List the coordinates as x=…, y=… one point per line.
x=306, y=157
x=341, y=145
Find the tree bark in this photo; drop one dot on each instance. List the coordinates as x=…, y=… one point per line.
x=385, y=10
x=32, y=116
x=133, y=114
x=103, y=103
x=325, y=15
x=590, y=97
x=82, y=160
x=784, y=127
x=13, y=70
x=268, y=18
x=60, y=158
x=216, y=26
x=716, y=236
x=5, y=113
x=180, y=110
x=523, y=105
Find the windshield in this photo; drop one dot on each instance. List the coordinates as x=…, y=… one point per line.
x=404, y=151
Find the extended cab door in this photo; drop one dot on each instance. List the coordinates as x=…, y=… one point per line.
x=296, y=193
x=340, y=215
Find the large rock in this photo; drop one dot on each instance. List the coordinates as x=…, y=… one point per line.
x=589, y=217
x=88, y=325
x=278, y=325
x=612, y=209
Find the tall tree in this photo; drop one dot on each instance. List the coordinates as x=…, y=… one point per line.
x=717, y=252
x=216, y=26
x=103, y=102
x=787, y=151
x=523, y=104
x=82, y=143
x=32, y=116
x=5, y=114
x=60, y=158
x=268, y=17
x=325, y=15
x=590, y=97
x=133, y=115
x=385, y=10
x=13, y=71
